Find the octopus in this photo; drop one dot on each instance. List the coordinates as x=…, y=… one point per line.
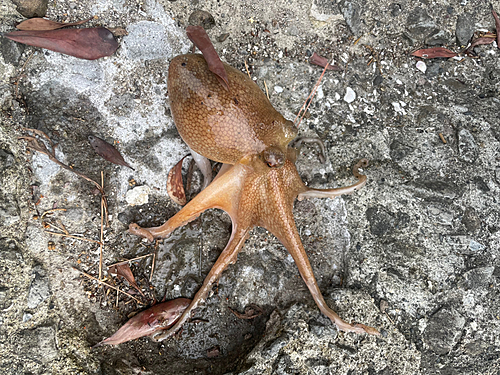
x=258, y=181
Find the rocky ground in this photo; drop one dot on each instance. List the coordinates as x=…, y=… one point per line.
x=414, y=253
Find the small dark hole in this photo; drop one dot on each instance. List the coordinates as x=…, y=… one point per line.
x=209, y=95
x=183, y=64
x=235, y=101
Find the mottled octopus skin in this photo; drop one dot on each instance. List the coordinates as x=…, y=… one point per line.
x=258, y=183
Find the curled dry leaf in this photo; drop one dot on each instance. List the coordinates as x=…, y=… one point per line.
x=323, y=62
x=199, y=37
x=435, y=52
x=497, y=25
x=148, y=322
x=478, y=42
x=107, y=151
x=43, y=24
x=175, y=186
x=89, y=44
x=123, y=270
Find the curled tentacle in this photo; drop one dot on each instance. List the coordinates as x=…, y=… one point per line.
x=331, y=193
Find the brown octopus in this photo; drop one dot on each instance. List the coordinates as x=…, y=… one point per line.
x=258, y=181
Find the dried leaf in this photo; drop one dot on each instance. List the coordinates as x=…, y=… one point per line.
x=123, y=270
x=107, y=151
x=158, y=317
x=497, y=25
x=322, y=61
x=89, y=44
x=43, y=24
x=175, y=187
x=478, y=42
x=118, y=31
x=199, y=37
x=435, y=52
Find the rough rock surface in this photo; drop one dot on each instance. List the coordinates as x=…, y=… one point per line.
x=415, y=253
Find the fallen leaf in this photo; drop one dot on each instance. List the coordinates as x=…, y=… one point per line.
x=89, y=44
x=199, y=37
x=322, y=61
x=123, y=270
x=175, y=187
x=497, y=25
x=107, y=151
x=118, y=31
x=478, y=42
x=43, y=24
x=435, y=52
x=157, y=318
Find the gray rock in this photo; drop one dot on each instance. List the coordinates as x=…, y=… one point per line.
x=465, y=28
x=352, y=12
x=419, y=25
x=478, y=277
x=471, y=220
x=383, y=222
x=39, y=344
x=467, y=146
x=32, y=8
x=201, y=18
x=39, y=289
x=147, y=40
x=11, y=51
x=443, y=330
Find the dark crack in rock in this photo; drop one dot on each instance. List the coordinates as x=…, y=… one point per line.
x=443, y=330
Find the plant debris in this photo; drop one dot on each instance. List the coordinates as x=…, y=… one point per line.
x=478, y=42
x=44, y=24
x=497, y=25
x=435, y=52
x=148, y=322
x=323, y=62
x=88, y=44
x=123, y=269
x=199, y=37
x=107, y=151
x=175, y=186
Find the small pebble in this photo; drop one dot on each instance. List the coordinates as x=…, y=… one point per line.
x=278, y=89
x=350, y=95
x=138, y=195
x=421, y=66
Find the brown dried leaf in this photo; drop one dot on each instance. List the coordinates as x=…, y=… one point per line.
x=435, y=52
x=89, y=44
x=175, y=187
x=497, y=25
x=199, y=37
x=322, y=61
x=107, y=151
x=118, y=31
x=43, y=24
x=478, y=42
x=123, y=270
x=158, y=317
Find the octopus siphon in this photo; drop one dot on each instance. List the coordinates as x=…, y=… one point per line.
x=258, y=181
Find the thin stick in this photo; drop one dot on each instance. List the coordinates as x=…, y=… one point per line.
x=51, y=211
x=130, y=260
x=71, y=236
x=152, y=267
x=267, y=91
x=246, y=67
x=311, y=95
x=108, y=285
x=102, y=242
x=20, y=75
x=59, y=229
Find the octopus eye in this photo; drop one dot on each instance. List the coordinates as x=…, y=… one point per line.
x=273, y=157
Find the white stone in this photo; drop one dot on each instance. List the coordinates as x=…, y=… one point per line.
x=138, y=195
x=350, y=95
x=421, y=66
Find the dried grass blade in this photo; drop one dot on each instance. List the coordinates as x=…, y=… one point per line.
x=44, y=24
